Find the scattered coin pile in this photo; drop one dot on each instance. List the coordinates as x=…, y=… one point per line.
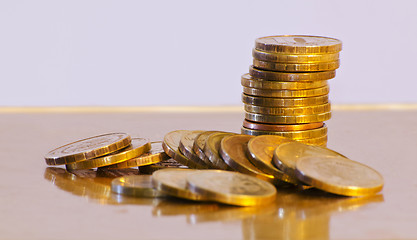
x=255, y=165
x=285, y=92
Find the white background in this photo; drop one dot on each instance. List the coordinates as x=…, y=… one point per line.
x=184, y=52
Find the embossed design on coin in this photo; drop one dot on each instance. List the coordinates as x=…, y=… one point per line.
x=339, y=175
x=232, y=187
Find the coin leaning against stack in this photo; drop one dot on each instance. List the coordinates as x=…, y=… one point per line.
x=286, y=92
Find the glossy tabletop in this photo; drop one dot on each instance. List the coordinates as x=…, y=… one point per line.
x=42, y=202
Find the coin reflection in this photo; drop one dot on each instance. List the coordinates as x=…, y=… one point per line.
x=301, y=214
x=94, y=185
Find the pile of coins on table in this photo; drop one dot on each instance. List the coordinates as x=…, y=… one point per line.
x=224, y=167
x=286, y=92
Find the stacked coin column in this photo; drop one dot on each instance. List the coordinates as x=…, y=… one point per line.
x=286, y=90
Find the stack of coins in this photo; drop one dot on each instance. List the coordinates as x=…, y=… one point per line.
x=286, y=92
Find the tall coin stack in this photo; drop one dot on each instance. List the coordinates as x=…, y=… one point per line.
x=286, y=92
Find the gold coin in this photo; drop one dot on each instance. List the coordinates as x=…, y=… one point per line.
x=287, y=93
x=298, y=44
x=169, y=163
x=339, y=175
x=291, y=77
x=280, y=128
x=186, y=148
x=284, y=102
x=173, y=182
x=155, y=155
x=319, y=141
x=200, y=143
x=137, y=147
x=212, y=147
x=232, y=188
x=296, y=67
x=288, y=111
x=295, y=135
x=233, y=151
x=88, y=148
x=255, y=117
x=248, y=81
x=294, y=58
x=136, y=186
x=171, y=144
x=260, y=151
x=287, y=154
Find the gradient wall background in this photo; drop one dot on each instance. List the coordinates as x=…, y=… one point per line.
x=183, y=52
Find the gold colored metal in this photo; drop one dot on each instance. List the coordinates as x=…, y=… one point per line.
x=136, y=186
x=232, y=188
x=88, y=148
x=298, y=44
x=287, y=93
x=212, y=147
x=291, y=77
x=200, y=143
x=248, y=81
x=260, y=151
x=288, y=111
x=186, y=148
x=295, y=135
x=155, y=155
x=287, y=154
x=320, y=141
x=280, y=128
x=233, y=151
x=294, y=58
x=171, y=144
x=321, y=117
x=137, y=147
x=296, y=67
x=284, y=102
x=339, y=175
x=169, y=163
x=173, y=182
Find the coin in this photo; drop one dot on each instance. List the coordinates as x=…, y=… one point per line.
x=255, y=117
x=339, y=175
x=232, y=188
x=212, y=147
x=233, y=151
x=169, y=163
x=88, y=148
x=279, y=128
x=248, y=81
x=136, y=186
x=186, y=148
x=137, y=147
x=155, y=155
x=304, y=134
x=173, y=182
x=199, y=143
x=284, y=102
x=287, y=154
x=288, y=111
x=296, y=67
x=171, y=144
x=287, y=93
x=260, y=151
x=319, y=141
x=298, y=44
x=294, y=58
x=290, y=77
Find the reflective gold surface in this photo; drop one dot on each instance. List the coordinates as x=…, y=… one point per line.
x=79, y=207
